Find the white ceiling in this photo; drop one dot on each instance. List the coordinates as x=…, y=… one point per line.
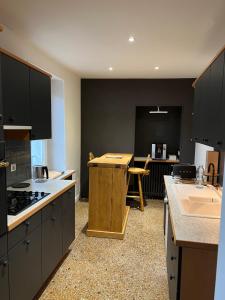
x=180, y=37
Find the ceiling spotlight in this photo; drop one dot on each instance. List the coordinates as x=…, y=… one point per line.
x=110, y=69
x=156, y=68
x=131, y=39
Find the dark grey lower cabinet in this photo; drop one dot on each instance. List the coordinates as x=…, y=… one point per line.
x=25, y=267
x=51, y=237
x=68, y=219
x=173, y=257
x=4, y=278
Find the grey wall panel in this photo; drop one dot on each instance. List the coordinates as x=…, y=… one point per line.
x=108, y=109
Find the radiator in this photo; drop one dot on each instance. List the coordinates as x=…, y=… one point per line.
x=153, y=185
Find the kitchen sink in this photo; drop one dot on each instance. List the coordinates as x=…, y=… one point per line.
x=195, y=202
x=205, y=207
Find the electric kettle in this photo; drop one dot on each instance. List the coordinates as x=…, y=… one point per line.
x=40, y=171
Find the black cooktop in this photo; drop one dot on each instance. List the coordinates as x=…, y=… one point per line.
x=20, y=200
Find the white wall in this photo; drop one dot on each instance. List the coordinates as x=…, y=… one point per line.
x=200, y=154
x=23, y=48
x=56, y=154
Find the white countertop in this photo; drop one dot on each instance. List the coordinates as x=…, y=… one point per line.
x=55, y=187
x=190, y=231
x=53, y=174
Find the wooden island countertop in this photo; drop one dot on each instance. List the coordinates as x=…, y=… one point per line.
x=108, y=212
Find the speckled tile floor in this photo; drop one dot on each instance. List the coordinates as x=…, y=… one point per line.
x=105, y=269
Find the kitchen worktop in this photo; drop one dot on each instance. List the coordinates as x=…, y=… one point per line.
x=112, y=160
x=168, y=161
x=60, y=174
x=55, y=187
x=196, y=232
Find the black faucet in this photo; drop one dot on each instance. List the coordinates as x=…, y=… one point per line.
x=213, y=171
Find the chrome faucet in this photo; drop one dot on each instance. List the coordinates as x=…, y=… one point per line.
x=213, y=171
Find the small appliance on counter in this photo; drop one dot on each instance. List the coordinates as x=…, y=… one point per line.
x=20, y=200
x=158, y=151
x=184, y=171
x=39, y=172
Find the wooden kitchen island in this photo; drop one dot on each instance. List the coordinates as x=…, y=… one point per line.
x=108, y=212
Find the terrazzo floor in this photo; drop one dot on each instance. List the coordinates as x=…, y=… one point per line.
x=108, y=269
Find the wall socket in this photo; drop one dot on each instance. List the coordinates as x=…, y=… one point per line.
x=13, y=167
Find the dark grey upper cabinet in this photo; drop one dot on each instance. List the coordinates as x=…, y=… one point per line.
x=40, y=97
x=209, y=106
x=15, y=91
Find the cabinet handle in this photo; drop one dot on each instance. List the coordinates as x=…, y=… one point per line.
x=173, y=258
x=219, y=143
x=27, y=223
x=53, y=218
x=172, y=238
x=27, y=242
x=4, y=263
x=172, y=277
x=53, y=204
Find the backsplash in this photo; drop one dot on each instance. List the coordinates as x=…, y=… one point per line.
x=18, y=152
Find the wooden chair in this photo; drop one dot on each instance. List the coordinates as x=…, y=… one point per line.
x=140, y=173
x=91, y=156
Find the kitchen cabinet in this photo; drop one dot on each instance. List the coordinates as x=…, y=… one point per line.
x=68, y=219
x=3, y=201
x=209, y=107
x=15, y=91
x=191, y=270
x=40, y=98
x=25, y=267
x=172, y=260
x=4, y=279
x=51, y=237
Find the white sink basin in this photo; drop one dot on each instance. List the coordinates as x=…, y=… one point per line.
x=204, y=207
x=194, y=202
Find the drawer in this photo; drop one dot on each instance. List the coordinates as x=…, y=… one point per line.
x=21, y=231
x=3, y=245
x=52, y=210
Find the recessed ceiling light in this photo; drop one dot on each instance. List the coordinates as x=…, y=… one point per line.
x=131, y=39
x=110, y=69
x=156, y=68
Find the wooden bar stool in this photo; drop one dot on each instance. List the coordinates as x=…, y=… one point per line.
x=140, y=173
x=91, y=156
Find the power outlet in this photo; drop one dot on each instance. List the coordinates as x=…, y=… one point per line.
x=13, y=167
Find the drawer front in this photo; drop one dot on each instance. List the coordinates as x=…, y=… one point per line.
x=52, y=210
x=3, y=245
x=21, y=231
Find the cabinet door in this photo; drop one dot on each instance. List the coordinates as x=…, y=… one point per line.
x=25, y=267
x=205, y=105
x=197, y=115
x=172, y=264
x=3, y=201
x=221, y=128
x=15, y=92
x=40, y=97
x=51, y=238
x=68, y=219
x=215, y=116
x=1, y=105
x=4, y=278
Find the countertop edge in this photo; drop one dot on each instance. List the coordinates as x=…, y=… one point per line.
x=40, y=206
x=181, y=242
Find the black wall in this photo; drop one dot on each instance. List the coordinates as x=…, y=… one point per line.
x=108, y=109
x=157, y=128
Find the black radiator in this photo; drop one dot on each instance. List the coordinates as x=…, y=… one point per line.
x=153, y=185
